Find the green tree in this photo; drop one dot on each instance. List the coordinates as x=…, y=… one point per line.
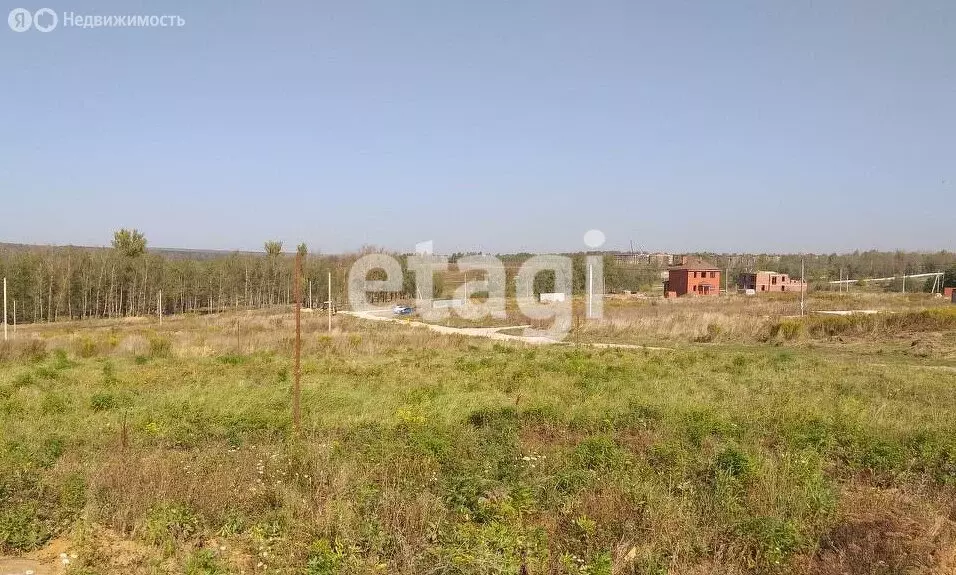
x=130, y=243
x=273, y=248
x=949, y=278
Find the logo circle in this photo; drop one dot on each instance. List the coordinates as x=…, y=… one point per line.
x=42, y=12
x=20, y=19
x=594, y=238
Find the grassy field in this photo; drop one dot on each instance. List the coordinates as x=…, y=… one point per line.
x=766, y=444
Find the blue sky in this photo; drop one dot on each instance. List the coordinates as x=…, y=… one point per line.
x=500, y=125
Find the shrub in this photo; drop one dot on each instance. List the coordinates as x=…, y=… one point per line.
x=787, y=329
x=771, y=540
x=325, y=558
x=103, y=401
x=34, y=350
x=159, y=346
x=204, y=562
x=20, y=528
x=732, y=462
x=168, y=524
x=85, y=347
x=54, y=403
x=50, y=450
x=713, y=332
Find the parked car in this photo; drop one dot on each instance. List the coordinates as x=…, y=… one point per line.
x=402, y=310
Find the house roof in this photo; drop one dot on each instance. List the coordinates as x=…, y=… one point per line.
x=695, y=263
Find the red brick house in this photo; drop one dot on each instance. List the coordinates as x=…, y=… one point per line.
x=770, y=282
x=693, y=276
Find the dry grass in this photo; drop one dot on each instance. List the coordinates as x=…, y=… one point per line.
x=428, y=453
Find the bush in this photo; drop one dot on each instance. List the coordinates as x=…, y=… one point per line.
x=732, y=462
x=20, y=528
x=85, y=347
x=159, y=346
x=770, y=540
x=34, y=350
x=103, y=401
x=204, y=562
x=168, y=524
x=787, y=329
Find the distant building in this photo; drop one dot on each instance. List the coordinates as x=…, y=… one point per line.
x=762, y=282
x=660, y=259
x=950, y=293
x=693, y=276
x=630, y=258
x=643, y=258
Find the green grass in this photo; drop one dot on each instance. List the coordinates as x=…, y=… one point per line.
x=428, y=454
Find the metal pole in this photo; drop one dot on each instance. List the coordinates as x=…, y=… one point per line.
x=4, y=309
x=297, y=390
x=590, y=288
x=330, y=301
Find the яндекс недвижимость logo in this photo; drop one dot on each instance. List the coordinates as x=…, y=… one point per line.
x=21, y=20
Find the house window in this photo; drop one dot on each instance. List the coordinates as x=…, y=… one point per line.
x=713, y=275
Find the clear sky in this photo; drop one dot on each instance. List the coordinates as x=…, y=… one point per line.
x=766, y=125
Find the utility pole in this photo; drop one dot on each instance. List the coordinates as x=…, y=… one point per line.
x=296, y=388
x=330, y=301
x=904, y=283
x=4, y=309
x=803, y=287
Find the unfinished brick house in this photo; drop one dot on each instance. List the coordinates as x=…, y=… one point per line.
x=693, y=276
x=763, y=282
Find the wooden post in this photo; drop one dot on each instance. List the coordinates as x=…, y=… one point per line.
x=14, y=319
x=330, y=301
x=297, y=389
x=159, y=306
x=238, y=344
x=4, y=309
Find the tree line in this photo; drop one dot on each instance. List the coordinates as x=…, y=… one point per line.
x=57, y=283
x=127, y=279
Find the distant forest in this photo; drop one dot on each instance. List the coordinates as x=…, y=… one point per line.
x=67, y=282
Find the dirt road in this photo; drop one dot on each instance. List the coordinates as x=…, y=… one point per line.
x=486, y=332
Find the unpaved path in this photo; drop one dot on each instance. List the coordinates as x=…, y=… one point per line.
x=487, y=332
